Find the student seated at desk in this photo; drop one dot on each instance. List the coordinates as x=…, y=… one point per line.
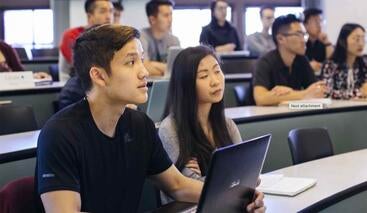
x=9, y=61
x=95, y=155
x=346, y=73
x=157, y=38
x=285, y=74
x=318, y=46
x=260, y=43
x=219, y=33
x=97, y=12
x=195, y=124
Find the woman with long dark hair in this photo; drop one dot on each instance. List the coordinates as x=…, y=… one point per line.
x=346, y=73
x=195, y=124
x=219, y=33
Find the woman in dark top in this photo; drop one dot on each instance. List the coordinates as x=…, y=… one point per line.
x=346, y=73
x=219, y=33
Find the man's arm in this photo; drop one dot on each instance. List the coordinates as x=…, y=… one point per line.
x=328, y=45
x=329, y=50
x=364, y=89
x=178, y=186
x=225, y=47
x=278, y=94
x=265, y=97
x=63, y=201
x=155, y=68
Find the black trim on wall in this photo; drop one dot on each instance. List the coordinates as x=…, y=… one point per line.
x=22, y=4
x=2, y=33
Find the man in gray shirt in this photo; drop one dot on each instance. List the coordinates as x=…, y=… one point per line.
x=157, y=38
x=260, y=43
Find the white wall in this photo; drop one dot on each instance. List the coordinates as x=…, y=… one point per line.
x=339, y=12
x=77, y=14
x=133, y=15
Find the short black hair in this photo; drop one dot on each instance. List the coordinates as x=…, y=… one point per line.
x=118, y=6
x=152, y=7
x=97, y=46
x=308, y=13
x=281, y=24
x=264, y=8
x=89, y=5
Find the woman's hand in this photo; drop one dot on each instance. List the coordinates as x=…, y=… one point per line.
x=194, y=166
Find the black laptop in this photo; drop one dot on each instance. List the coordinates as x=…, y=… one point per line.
x=232, y=177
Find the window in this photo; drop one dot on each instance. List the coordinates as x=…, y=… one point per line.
x=29, y=28
x=187, y=24
x=253, y=22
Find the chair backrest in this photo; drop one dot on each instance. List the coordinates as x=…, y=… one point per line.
x=237, y=63
x=21, y=53
x=54, y=71
x=243, y=94
x=45, y=53
x=14, y=119
x=157, y=100
x=309, y=144
x=18, y=196
x=150, y=198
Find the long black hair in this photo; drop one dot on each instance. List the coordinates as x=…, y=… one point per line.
x=182, y=104
x=340, y=53
x=213, y=4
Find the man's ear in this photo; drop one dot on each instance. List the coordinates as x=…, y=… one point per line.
x=88, y=16
x=98, y=76
x=280, y=39
x=152, y=20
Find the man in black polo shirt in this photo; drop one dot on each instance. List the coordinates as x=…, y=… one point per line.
x=219, y=33
x=94, y=155
x=318, y=46
x=285, y=73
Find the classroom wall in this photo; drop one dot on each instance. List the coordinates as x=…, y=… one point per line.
x=339, y=12
x=134, y=14
x=336, y=13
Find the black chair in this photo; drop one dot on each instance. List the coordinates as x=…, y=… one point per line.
x=14, y=119
x=53, y=69
x=309, y=144
x=21, y=53
x=150, y=198
x=243, y=94
x=46, y=53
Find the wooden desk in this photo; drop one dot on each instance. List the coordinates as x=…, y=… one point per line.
x=18, y=146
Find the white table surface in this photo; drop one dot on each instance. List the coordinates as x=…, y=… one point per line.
x=334, y=174
x=252, y=111
x=55, y=84
x=18, y=142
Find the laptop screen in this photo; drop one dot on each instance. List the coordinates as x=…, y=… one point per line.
x=232, y=176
